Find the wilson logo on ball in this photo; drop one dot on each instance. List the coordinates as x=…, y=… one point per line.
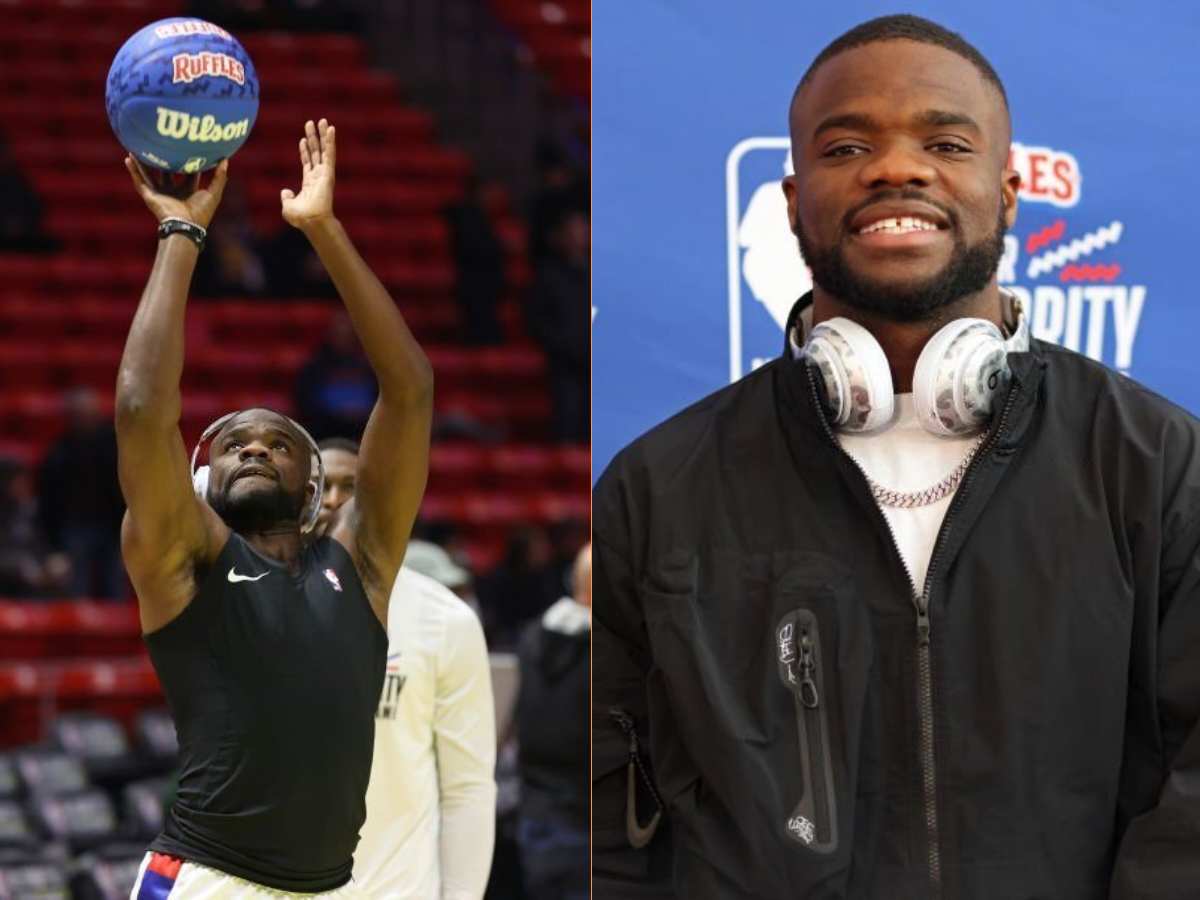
x=187, y=67
x=179, y=125
x=192, y=26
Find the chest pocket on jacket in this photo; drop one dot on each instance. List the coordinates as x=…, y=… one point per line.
x=715, y=622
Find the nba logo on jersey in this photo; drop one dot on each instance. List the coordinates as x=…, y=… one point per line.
x=766, y=271
x=333, y=579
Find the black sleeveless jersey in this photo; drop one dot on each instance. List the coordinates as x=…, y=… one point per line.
x=273, y=680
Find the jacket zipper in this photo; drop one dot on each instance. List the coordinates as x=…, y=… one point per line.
x=814, y=820
x=921, y=601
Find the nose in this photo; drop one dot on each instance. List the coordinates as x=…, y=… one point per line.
x=897, y=164
x=253, y=450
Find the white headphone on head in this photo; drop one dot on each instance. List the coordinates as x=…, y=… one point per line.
x=317, y=478
x=958, y=374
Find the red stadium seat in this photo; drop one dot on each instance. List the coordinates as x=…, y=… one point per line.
x=523, y=466
x=458, y=466
x=100, y=629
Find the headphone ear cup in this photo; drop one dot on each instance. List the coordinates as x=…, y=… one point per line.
x=957, y=376
x=855, y=373
x=200, y=481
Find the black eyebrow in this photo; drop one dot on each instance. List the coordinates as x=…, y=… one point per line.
x=940, y=117
x=859, y=121
x=862, y=122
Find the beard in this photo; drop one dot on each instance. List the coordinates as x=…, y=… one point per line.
x=259, y=510
x=968, y=271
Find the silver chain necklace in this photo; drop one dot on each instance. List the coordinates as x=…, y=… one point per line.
x=944, y=488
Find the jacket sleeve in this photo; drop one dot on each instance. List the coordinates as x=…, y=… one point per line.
x=1159, y=855
x=464, y=736
x=630, y=840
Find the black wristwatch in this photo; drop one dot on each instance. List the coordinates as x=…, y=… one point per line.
x=190, y=230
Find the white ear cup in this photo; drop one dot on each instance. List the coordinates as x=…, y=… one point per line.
x=960, y=372
x=200, y=481
x=858, y=380
x=957, y=376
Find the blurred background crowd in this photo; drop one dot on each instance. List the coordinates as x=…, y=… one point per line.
x=463, y=178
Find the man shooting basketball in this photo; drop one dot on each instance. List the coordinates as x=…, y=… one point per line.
x=270, y=646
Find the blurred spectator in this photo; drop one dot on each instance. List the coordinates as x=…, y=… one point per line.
x=336, y=387
x=27, y=568
x=560, y=189
x=521, y=587
x=558, y=315
x=233, y=262
x=293, y=267
x=479, y=263
x=553, y=719
x=21, y=211
x=81, y=505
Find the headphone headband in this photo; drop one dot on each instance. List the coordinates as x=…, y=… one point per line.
x=316, y=475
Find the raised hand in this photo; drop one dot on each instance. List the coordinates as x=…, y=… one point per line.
x=193, y=203
x=318, y=157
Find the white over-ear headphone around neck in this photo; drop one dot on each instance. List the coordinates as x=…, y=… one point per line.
x=308, y=518
x=959, y=373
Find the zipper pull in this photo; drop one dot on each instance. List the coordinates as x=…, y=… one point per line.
x=922, y=627
x=624, y=721
x=808, y=686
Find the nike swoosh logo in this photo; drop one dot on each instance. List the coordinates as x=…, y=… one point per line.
x=234, y=577
x=637, y=834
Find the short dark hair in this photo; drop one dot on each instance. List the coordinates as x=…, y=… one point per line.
x=338, y=443
x=909, y=28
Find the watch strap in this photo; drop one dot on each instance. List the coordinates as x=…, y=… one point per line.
x=190, y=230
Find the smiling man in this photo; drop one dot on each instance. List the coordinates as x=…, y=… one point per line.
x=910, y=612
x=270, y=643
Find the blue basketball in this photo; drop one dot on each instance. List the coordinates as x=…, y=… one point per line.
x=182, y=95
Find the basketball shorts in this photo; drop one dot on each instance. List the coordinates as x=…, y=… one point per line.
x=161, y=877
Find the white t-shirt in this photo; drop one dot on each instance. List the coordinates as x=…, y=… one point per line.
x=431, y=802
x=903, y=456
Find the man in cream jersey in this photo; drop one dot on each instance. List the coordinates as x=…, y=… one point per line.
x=431, y=803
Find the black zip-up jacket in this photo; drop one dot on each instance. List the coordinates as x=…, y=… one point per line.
x=812, y=734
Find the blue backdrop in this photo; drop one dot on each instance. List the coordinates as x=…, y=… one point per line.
x=693, y=262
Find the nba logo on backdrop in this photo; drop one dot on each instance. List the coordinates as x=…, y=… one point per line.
x=1062, y=259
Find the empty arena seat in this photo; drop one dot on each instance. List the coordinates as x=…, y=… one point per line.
x=462, y=465
x=43, y=879
x=118, y=688
x=517, y=465
x=99, y=629
x=10, y=784
x=495, y=508
x=15, y=827
x=22, y=699
x=81, y=819
x=27, y=630
x=560, y=506
x=100, y=743
x=574, y=463
x=50, y=772
x=106, y=873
